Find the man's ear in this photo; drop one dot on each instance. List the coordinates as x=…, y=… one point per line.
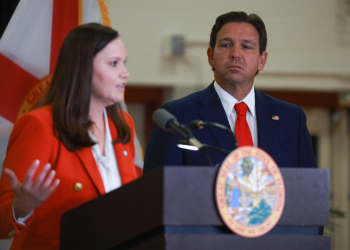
x=262, y=61
x=210, y=54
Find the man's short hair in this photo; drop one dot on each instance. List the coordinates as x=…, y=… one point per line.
x=240, y=17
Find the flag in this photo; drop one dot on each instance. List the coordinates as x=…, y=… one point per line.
x=29, y=49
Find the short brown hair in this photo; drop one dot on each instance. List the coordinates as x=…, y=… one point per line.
x=70, y=89
x=240, y=17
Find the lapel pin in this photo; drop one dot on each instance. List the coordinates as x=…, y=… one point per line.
x=125, y=152
x=275, y=118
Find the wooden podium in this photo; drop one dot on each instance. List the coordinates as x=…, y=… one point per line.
x=174, y=208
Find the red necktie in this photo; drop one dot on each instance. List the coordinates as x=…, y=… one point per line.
x=242, y=130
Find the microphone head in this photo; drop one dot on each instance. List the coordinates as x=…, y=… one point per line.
x=161, y=117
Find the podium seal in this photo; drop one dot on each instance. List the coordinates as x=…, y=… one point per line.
x=250, y=192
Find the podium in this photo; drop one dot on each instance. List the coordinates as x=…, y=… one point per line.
x=174, y=208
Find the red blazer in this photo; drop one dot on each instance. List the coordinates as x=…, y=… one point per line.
x=33, y=138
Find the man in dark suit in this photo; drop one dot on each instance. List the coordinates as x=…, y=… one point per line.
x=237, y=52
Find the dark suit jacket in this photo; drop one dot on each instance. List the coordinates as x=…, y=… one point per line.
x=286, y=140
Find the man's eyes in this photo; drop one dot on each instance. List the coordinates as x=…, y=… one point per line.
x=225, y=45
x=246, y=46
x=243, y=46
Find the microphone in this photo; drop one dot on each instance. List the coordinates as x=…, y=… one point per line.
x=168, y=122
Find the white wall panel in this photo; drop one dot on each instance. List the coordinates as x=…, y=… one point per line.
x=304, y=36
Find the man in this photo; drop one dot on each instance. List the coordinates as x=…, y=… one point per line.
x=237, y=52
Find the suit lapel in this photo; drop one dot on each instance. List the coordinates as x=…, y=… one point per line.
x=125, y=160
x=265, y=109
x=124, y=154
x=213, y=111
x=89, y=163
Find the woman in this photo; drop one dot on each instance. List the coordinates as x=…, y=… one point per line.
x=80, y=132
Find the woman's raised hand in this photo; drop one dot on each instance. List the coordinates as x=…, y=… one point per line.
x=29, y=195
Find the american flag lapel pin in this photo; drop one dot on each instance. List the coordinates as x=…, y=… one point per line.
x=275, y=118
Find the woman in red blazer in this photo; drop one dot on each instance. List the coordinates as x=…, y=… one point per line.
x=50, y=164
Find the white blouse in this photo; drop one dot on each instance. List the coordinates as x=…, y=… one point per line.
x=107, y=164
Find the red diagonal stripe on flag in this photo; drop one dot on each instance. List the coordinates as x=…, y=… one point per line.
x=15, y=83
x=64, y=18
x=139, y=171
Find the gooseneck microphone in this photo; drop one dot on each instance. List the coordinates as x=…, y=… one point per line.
x=168, y=122
x=193, y=125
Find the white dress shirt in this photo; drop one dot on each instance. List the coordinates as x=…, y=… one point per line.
x=228, y=102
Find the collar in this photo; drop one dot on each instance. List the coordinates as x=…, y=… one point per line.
x=108, y=138
x=228, y=101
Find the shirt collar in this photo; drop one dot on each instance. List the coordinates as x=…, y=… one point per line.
x=228, y=101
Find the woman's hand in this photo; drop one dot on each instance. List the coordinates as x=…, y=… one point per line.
x=29, y=195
